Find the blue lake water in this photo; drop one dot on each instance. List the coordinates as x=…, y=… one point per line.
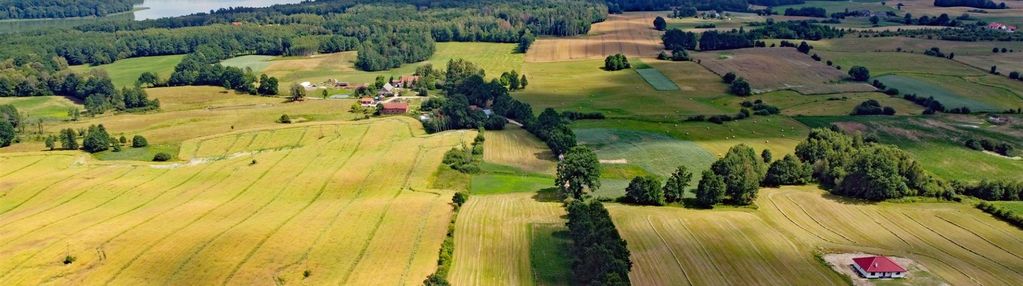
x=170, y=8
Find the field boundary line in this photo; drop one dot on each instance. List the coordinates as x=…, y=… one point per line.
x=323, y=187
x=132, y=261
x=671, y=250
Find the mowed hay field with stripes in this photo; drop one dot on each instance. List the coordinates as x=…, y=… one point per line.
x=630, y=33
x=346, y=201
x=775, y=244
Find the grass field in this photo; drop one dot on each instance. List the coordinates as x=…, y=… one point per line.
x=43, y=107
x=776, y=242
x=631, y=33
x=656, y=79
x=549, y=253
x=937, y=142
x=189, y=112
x=494, y=58
x=515, y=147
x=125, y=72
x=794, y=104
x=255, y=62
x=655, y=153
x=322, y=203
x=934, y=88
x=789, y=68
x=1014, y=206
x=494, y=240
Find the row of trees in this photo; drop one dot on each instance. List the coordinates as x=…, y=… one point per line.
x=1004, y=148
x=647, y=190
x=647, y=5
x=807, y=12
x=36, y=9
x=872, y=107
x=994, y=190
x=984, y=4
x=599, y=254
x=739, y=38
x=203, y=68
x=967, y=33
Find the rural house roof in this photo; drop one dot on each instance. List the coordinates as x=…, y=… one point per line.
x=395, y=106
x=878, y=264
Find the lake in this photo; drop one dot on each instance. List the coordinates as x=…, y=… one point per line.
x=171, y=8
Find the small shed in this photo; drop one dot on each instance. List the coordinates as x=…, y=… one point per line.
x=873, y=267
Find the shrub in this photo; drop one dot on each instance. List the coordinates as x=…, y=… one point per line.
x=138, y=141
x=616, y=62
x=740, y=87
x=859, y=73
x=645, y=190
x=161, y=157
x=728, y=77
x=284, y=119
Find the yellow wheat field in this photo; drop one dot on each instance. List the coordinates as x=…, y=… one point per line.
x=631, y=34
x=345, y=201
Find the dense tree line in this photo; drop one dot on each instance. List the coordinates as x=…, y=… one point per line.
x=386, y=51
x=677, y=39
x=683, y=12
x=663, y=5
x=1004, y=148
x=994, y=190
x=787, y=171
x=203, y=68
x=984, y=4
x=773, y=3
x=94, y=88
x=967, y=33
x=807, y=11
x=599, y=254
x=850, y=166
x=715, y=40
x=742, y=171
x=1002, y=213
x=806, y=30
x=447, y=248
x=37, y=9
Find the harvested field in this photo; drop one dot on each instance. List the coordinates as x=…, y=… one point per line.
x=493, y=239
x=515, y=147
x=917, y=274
x=630, y=33
x=768, y=69
x=337, y=204
x=673, y=246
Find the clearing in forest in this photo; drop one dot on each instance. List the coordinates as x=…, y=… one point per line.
x=789, y=69
x=347, y=202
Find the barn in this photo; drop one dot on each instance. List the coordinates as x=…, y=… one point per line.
x=873, y=267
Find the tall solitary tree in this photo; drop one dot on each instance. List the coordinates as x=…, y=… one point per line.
x=660, y=24
x=675, y=187
x=6, y=133
x=578, y=171
x=297, y=92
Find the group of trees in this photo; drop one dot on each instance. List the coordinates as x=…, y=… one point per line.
x=859, y=73
x=36, y=9
x=9, y=120
x=675, y=39
x=737, y=85
x=964, y=33
x=616, y=62
x=94, y=88
x=203, y=68
x=807, y=12
x=994, y=190
x=1004, y=149
x=647, y=5
x=984, y=4
x=647, y=190
x=756, y=107
x=599, y=254
x=683, y=12
x=850, y=166
x=386, y=51
x=466, y=159
x=872, y=107
x=552, y=128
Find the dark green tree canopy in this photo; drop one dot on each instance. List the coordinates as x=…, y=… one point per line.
x=578, y=171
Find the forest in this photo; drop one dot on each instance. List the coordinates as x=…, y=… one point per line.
x=39, y=9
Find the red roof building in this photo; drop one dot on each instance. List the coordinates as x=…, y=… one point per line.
x=1000, y=26
x=394, y=108
x=878, y=267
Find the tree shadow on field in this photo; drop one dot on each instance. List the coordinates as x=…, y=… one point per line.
x=547, y=195
x=847, y=200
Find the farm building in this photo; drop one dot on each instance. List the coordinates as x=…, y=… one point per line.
x=872, y=267
x=388, y=90
x=394, y=108
x=1000, y=26
x=367, y=101
x=405, y=81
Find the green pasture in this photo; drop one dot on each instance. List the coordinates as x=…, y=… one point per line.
x=138, y=154
x=937, y=143
x=655, y=153
x=839, y=6
x=125, y=72
x=934, y=88
x=549, y=253
x=500, y=179
x=45, y=107
x=1013, y=206
x=256, y=62
x=656, y=79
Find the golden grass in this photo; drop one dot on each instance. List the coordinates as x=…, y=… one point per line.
x=515, y=147
x=775, y=244
x=631, y=34
x=492, y=240
x=347, y=202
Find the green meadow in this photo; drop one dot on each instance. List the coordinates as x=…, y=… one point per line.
x=125, y=72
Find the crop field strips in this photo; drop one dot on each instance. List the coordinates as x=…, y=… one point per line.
x=330, y=205
x=949, y=99
x=492, y=241
x=656, y=79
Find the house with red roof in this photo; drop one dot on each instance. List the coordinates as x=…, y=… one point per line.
x=394, y=107
x=872, y=267
x=1000, y=26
